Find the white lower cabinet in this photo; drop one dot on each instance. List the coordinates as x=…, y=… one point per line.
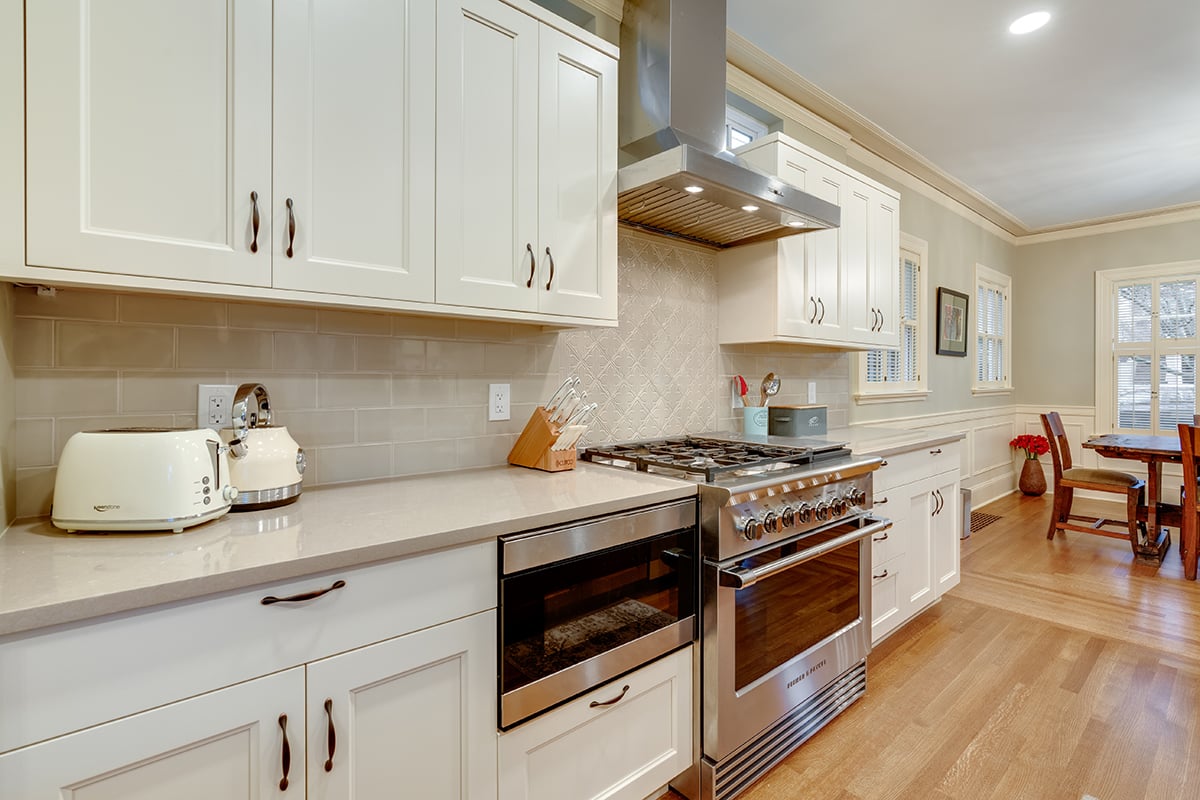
x=916, y=561
x=235, y=744
x=413, y=716
x=622, y=740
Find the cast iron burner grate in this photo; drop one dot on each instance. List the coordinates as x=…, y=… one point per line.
x=707, y=457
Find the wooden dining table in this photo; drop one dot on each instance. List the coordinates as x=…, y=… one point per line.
x=1153, y=451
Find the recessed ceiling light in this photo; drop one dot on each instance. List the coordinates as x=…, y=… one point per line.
x=749, y=208
x=795, y=224
x=1029, y=22
x=693, y=189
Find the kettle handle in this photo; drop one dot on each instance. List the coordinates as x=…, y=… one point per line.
x=251, y=407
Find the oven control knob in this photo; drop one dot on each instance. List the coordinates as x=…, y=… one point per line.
x=770, y=522
x=750, y=528
x=804, y=514
x=822, y=511
x=788, y=516
x=839, y=506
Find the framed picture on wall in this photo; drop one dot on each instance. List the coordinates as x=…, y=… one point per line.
x=951, y=322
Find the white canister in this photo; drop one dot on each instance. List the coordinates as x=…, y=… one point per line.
x=754, y=420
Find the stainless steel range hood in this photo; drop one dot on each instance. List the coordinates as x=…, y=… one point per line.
x=672, y=119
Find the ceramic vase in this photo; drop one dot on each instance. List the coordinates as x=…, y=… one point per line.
x=1033, y=480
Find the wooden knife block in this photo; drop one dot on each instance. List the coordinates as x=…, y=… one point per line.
x=532, y=448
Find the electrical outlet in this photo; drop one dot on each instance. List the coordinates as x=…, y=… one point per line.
x=498, y=401
x=214, y=402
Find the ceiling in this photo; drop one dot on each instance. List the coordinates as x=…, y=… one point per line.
x=1094, y=117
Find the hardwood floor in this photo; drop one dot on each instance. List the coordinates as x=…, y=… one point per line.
x=1056, y=669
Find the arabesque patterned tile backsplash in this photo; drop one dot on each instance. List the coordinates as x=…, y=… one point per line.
x=372, y=395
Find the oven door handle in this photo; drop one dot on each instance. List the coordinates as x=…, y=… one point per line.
x=741, y=578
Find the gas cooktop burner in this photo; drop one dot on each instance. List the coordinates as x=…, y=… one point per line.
x=711, y=457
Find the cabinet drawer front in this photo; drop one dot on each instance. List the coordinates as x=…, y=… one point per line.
x=595, y=748
x=886, y=613
x=79, y=675
x=914, y=465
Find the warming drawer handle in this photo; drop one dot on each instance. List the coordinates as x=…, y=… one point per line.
x=300, y=598
x=742, y=578
x=613, y=702
x=287, y=754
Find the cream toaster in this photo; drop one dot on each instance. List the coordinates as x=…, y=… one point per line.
x=141, y=479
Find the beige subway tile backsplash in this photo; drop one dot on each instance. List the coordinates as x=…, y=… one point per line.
x=371, y=394
x=88, y=344
x=227, y=348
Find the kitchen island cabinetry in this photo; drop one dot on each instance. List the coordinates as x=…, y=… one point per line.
x=526, y=164
x=387, y=679
x=836, y=288
x=440, y=158
x=916, y=561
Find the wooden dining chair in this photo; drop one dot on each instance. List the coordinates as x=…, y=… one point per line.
x=1189, y=527
x=1068, y=478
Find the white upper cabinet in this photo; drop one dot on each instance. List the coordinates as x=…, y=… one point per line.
x=439, y=157
x=526, y=165
x=353, y=144
x=148, y=128
x=835, y=288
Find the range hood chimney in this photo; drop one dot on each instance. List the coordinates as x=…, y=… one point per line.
x=672, y=118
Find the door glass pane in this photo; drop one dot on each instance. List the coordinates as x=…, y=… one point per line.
x=1133, y=392
x=1176, y=390
x=1134, y=304
x=1177, y=309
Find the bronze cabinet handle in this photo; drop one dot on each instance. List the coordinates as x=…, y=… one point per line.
x=813, y=318
x=532, y=265
x=291, y=227
x=880, y=538
x=936, y=452
x=880, y=321
x=614, y=701
x=882, y=502
x=332, y=734
x=883, y=463
x=254, y=221
x=551, y=257
x=878, y=577
x=821, y=319
x=287, y=754
x=300, y=598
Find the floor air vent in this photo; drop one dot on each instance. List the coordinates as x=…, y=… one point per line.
x=742, y=768
x=980, y=520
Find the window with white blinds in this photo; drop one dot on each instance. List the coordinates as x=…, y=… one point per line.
x=993, y=317
x=1154, y=353
x=893, y=373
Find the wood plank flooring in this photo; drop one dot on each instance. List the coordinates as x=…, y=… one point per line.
x=1056, y=669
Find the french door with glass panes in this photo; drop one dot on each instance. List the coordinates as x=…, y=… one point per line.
x=1154, y=354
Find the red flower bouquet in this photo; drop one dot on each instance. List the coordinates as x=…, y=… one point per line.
x=1034, y=445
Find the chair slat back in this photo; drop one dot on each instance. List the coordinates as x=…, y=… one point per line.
x=1189, y=445
x=1060, y=448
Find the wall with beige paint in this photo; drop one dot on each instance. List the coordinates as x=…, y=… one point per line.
x=1054, y=356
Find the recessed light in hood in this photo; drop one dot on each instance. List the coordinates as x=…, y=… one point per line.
x=672, y=117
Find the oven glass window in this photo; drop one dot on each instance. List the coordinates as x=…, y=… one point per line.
x=556, y=616
x=782, y=616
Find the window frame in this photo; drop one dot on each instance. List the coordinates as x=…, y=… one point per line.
x=1106, y=334
x=867, y=392
x=986, y=277
x=736, y=118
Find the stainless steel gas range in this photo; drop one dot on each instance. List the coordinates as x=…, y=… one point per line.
x=785, y=577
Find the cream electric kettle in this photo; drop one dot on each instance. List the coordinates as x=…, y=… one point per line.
x=265, y=463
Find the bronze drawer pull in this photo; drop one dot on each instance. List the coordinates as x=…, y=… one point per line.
x=880, y=538
x=882, y=502
x=332, y=736
x=551, y=257
x=300, y=598
x=291, y=227
x=287, y=754
x=532, y=265
x=614, y=701
x=883, y=463
x=937, y=452
x=879, y=577
x=821, y=319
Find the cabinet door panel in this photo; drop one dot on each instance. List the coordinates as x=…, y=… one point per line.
x=487, y=152
x=946, y=544
x=227, y=744
x=918, y=572
x=354, y=137
x=884, y=272
x=823, y=254
x=578, y=179
x=414, y=715
x=856, y=262
x=148, y=127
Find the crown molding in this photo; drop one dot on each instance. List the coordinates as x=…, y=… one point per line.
x=1189, y=212
x=610, y=8
x=746, y=85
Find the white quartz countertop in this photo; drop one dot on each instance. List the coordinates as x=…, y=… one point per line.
x=49, y=577
x=872, y=441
